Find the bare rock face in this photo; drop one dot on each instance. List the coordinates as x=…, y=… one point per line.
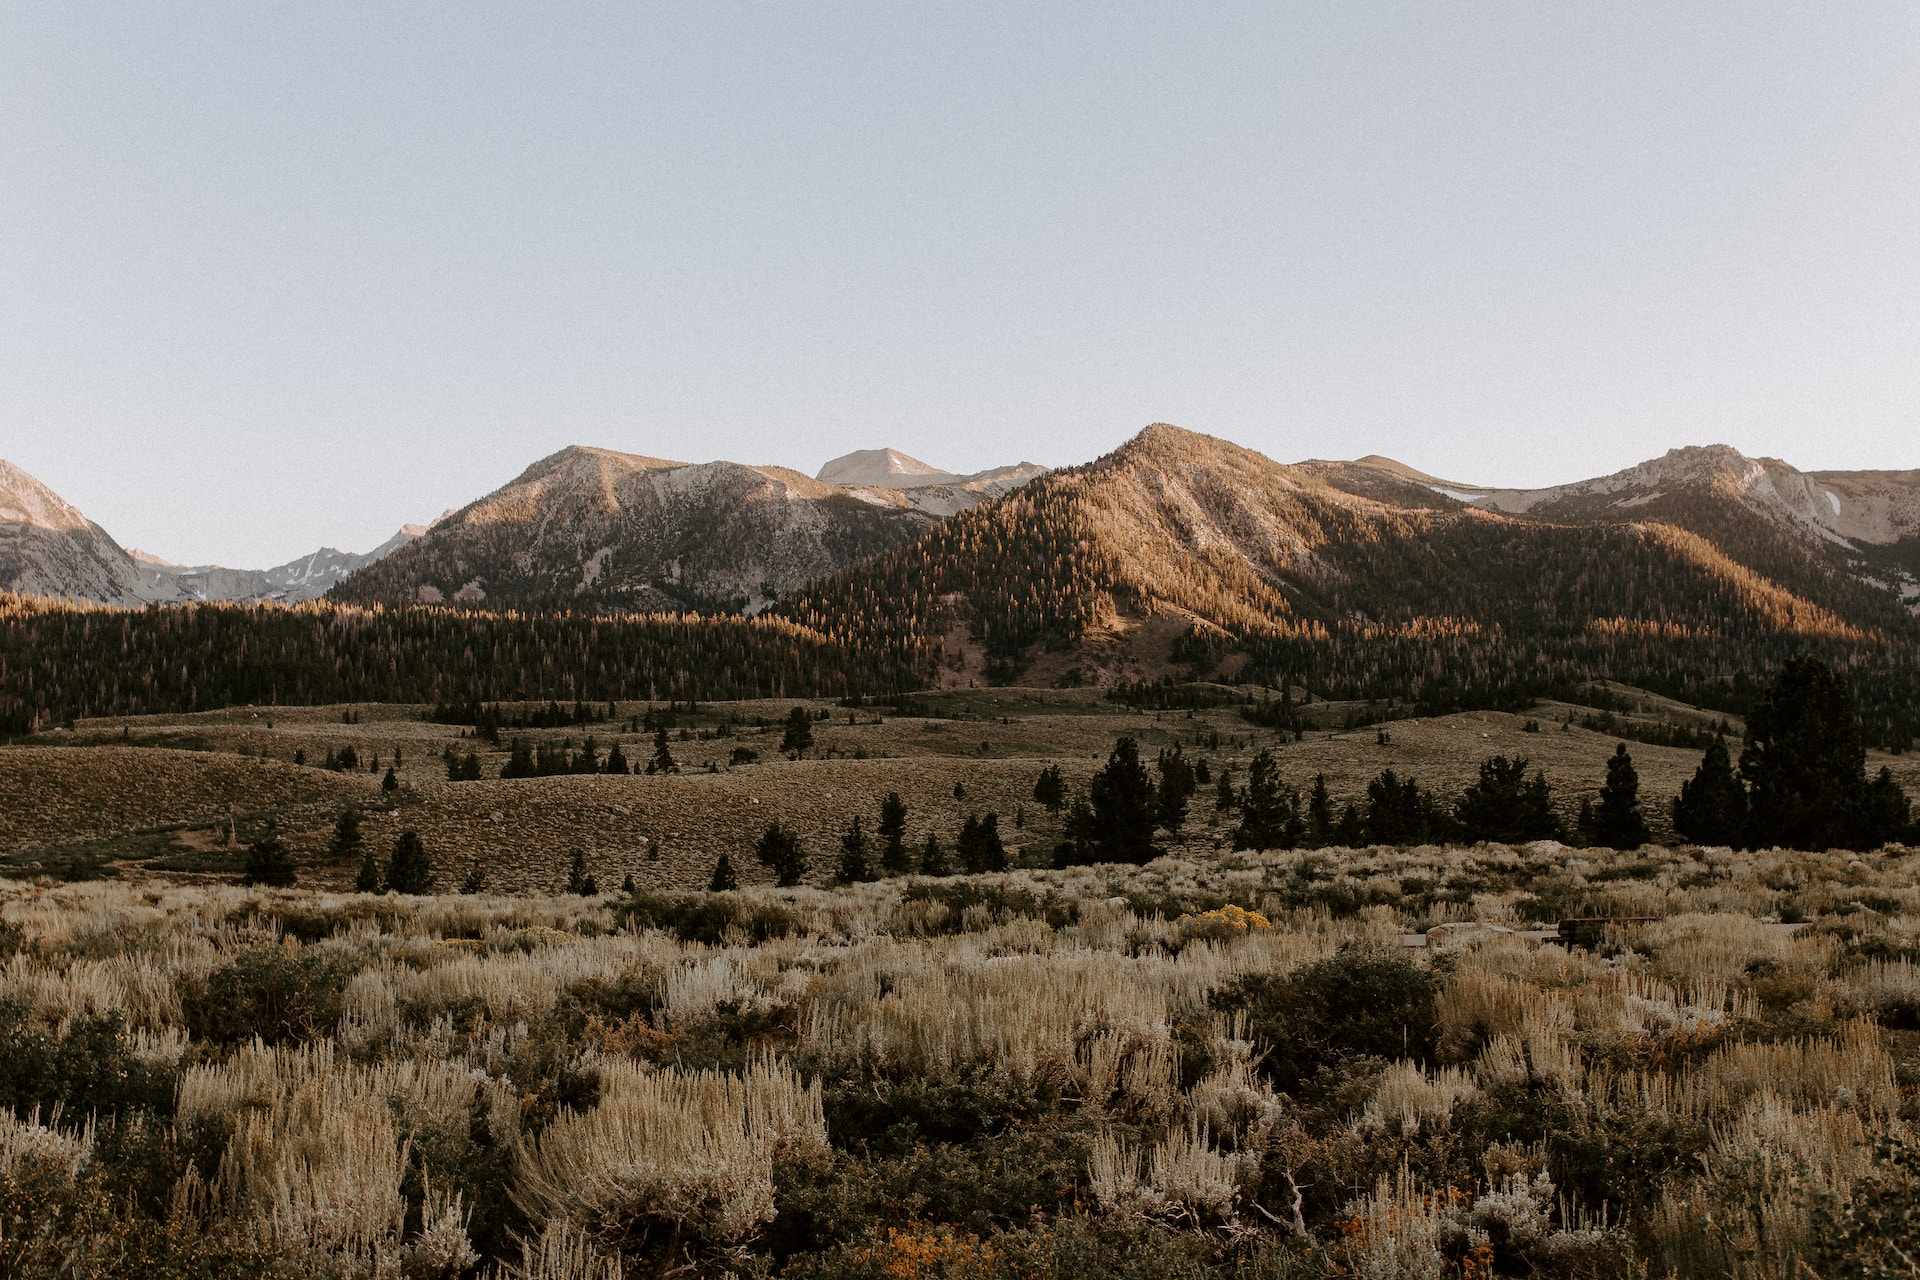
x=592, y=528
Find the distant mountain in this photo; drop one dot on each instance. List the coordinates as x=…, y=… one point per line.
x=595, y=529
x=1182, y=552
x=1849, y=536
x=47, y=548
x=308, y=578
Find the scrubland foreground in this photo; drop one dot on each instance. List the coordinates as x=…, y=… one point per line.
x=1239, y=1066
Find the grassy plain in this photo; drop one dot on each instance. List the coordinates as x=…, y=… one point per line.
x=153, y=795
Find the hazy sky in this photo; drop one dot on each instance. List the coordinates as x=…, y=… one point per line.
x=277, y=275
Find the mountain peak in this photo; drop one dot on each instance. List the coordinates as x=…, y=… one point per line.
x=882, y=469
x=25, y=500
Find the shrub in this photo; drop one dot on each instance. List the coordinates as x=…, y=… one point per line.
x=1359, y=1003
x=279, y=994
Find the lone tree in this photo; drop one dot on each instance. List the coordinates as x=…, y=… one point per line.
x=408, y=870
x=724, y=881
x=617, y=761
x=1177, y=785
x=1050, y=790
x=853, y=856
x=577, y=877
x=894, y=858
x=268, y=862
x=1616, y=822
x=1270, y=810
x=1115, y=822
x=1505, y=806
x=476, y=879
x=780, y=851
x=799, y=734
x=662, y=761
x=1711, y=808
x=390, y=783
x=979, y=845
x=348, y=845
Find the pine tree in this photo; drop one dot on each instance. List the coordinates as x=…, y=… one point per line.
x=1886, y=815
x=1401, y=812
x=933, y=859
x=1269, y=811
x=1320, y=819
x=724, y=880
x=1616, y=822
x=617, y=761
x=1050, y=790
x=1225, y=797
x=853, y=856
x=521, y=763
x=894, y=858
x=1711, y=808
x=979, y=845
x=475, y=881
x=577, y=871
x=1115, y=823
x=1504, y=806
x=1176, y=787
x=799, y=732
x=1805, y=767
x=409, y=870
x=626, y=885
x=781, y=851
x=390, y=783
x=662, y=761
x=268, y=862
x=1351, y=831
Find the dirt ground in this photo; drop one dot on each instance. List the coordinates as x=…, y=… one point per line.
x=184, y=777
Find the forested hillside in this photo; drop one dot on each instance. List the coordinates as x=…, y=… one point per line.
x=1359, y=597
x=58, y=662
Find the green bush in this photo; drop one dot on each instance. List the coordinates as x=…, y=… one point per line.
x=276, y=993
x=1359, y=1003
x=89, y=1071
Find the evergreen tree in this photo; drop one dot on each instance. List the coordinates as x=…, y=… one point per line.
x=577, y=871
x=1505, y=806
x=781, y=851
x=662, y=761
x=475, y=881
x=1177, y=786
x=268, y=862
x=588, y=761
x=1320, y=819
x=1225, y=797
x=1115, y=823
x=408, y=870
x=933, y=859
x=1050, y=790
x=979, y=845
x=1401, y=812
x=390, y=783
x=1711, y=808
x=521, y=763
x=853, y=856
x=799, y=732
x=1804, y=764
x=1351, y=831
x=724, y=880
x=617, y=761
x=626, y=885
x=1886, y=815
x=1616, y=822
x=894, y=858
x=1269, y=811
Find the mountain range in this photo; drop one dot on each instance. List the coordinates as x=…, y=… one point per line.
x=1173, y=522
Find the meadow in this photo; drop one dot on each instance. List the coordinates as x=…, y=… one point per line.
x=1279, y=1064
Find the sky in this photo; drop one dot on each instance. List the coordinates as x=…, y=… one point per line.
x=274, y=276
